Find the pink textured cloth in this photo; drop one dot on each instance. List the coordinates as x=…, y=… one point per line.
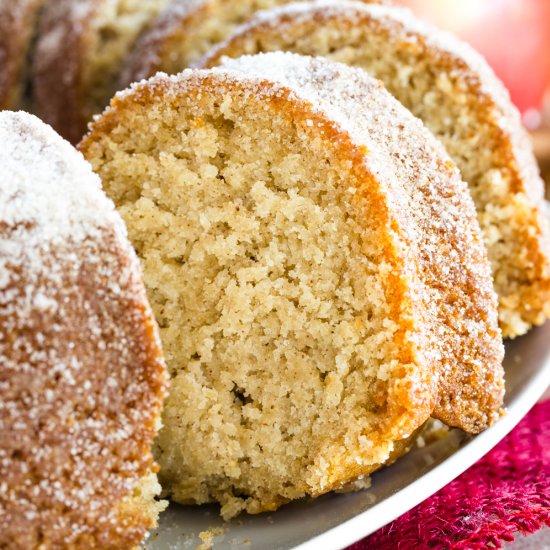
x=504, y=494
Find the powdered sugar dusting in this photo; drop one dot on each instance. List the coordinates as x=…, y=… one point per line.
x=82, y=375
x=48, y=194
x=35, y=159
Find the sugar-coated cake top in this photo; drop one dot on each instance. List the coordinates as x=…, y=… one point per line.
x=49, y=196
x=82, y=374
x=46, y=182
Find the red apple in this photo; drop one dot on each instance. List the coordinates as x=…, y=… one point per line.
x=514, y=36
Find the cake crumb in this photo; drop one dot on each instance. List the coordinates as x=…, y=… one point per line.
x=208, y=537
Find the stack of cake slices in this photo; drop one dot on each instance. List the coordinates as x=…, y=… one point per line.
x=319, y=222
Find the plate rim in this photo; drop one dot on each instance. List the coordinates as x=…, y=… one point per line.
x=404, y=500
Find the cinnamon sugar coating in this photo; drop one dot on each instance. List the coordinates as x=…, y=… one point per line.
x=456, y=94
x=82, y=376
x=316, y=268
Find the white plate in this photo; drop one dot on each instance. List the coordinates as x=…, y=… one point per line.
x=335, y=521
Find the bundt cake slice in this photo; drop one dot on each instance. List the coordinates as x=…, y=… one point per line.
x=82, y=377
x=315, y=265
x=18, y=20
x=185, y=31
x=453, y=90
x=80, y=49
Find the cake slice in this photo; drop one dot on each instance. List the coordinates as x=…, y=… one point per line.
x=82, y=377
x=80, y=49
x=315, y=264
x=458, y=97
x=185, y=31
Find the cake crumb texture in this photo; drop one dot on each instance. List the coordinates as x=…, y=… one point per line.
x=294, y=246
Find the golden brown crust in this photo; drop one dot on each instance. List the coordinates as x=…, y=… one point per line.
x=58, y=86
x=524, y=295
x=17, y=21
x=400, y=448
x=83, y=377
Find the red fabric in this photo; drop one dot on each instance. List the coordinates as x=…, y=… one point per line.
x=506, y=493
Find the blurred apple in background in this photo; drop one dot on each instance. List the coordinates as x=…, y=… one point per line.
x=513, y=35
